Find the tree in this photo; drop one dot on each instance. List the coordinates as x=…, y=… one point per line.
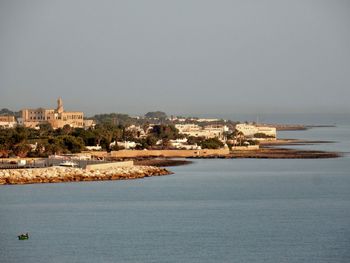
x=4, y=151
x=129, y=135
x=192, y=140
x=73, y=144
x=168, y=132
x=20, y=134
x=151, y=140
x=156, y=115
x=253, y=142
x=262, y=135
x=7, y=112
x=45, y=130
x=40, y=149
x=21, y=149
x=67, y=129
x=114, y=119
x=88, y=136
x=212, y=143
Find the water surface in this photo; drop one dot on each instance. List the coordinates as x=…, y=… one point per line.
x=240, y=210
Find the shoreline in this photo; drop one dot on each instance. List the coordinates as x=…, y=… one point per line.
x=297, y=127
x=56, y=174
x=283, y=153
x=268, y=150
x=161, y=162
x=281, y=142
x=274, y=153
x=147, y=166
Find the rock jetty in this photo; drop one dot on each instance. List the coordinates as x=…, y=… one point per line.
x=67, y=174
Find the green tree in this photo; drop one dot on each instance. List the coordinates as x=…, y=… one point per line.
x=212, y=143
x=156, y=115
x=168, y=132
x=73, y=144
x=45, y=130
x=21, y=149
x=192, y=140
x=262, y=135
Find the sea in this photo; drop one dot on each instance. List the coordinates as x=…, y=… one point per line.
x=213, y=210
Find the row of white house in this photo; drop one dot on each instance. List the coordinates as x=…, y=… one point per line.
x=209, y=131
x=250, y=130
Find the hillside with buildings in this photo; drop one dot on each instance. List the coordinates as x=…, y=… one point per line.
x=42, y=132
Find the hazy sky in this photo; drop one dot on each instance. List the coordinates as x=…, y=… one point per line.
x=180, y=56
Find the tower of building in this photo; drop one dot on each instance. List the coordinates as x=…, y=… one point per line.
x=60, y=105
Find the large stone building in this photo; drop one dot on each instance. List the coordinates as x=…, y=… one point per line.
x=56, y=117
x=7, y=121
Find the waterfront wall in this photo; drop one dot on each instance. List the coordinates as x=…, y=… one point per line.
x=105, y=166
x=245, y=148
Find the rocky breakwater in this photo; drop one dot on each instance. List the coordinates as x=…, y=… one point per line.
x=67, y=174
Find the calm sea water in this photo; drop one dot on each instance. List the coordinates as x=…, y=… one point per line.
x=210, y=211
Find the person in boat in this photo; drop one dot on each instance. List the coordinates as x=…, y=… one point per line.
x=23, y=236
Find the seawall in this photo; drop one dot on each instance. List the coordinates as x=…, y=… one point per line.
x=104, y=166
x=58, y=174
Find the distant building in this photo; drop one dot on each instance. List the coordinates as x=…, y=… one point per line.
x=94, y=148
x=250, y=130
x=186, y=128
x=182, y=144
x=209, y=131
x=56, y=117
x=137, y=130
x=89, y=124
x=208, y=120
x=125, y=144
x=7, y=121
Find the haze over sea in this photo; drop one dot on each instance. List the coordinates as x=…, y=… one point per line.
x=239, y=210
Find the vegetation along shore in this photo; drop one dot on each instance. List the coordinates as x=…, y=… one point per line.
x=146, y=144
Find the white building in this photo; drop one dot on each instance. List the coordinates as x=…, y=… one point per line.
x=94, y=148
x=269, y=131
x=182, y=144
x=209, y=131
x=250, y=130
x=186, y=128
x=207, y=120
x=137, y=130
x=126, y=144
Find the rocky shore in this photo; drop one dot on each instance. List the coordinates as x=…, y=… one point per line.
x=66, y=174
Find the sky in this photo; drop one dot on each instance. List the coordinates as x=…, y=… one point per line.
x=184, y=57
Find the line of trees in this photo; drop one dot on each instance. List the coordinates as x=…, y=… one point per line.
x=22, y=141
x=28, y=142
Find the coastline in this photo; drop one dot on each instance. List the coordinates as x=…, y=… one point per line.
x=147, y=166
x=281, y=142
x=164, y=162
x=268, y=150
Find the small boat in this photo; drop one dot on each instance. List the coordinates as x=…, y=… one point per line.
x=23, y=236
x=68, y=164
